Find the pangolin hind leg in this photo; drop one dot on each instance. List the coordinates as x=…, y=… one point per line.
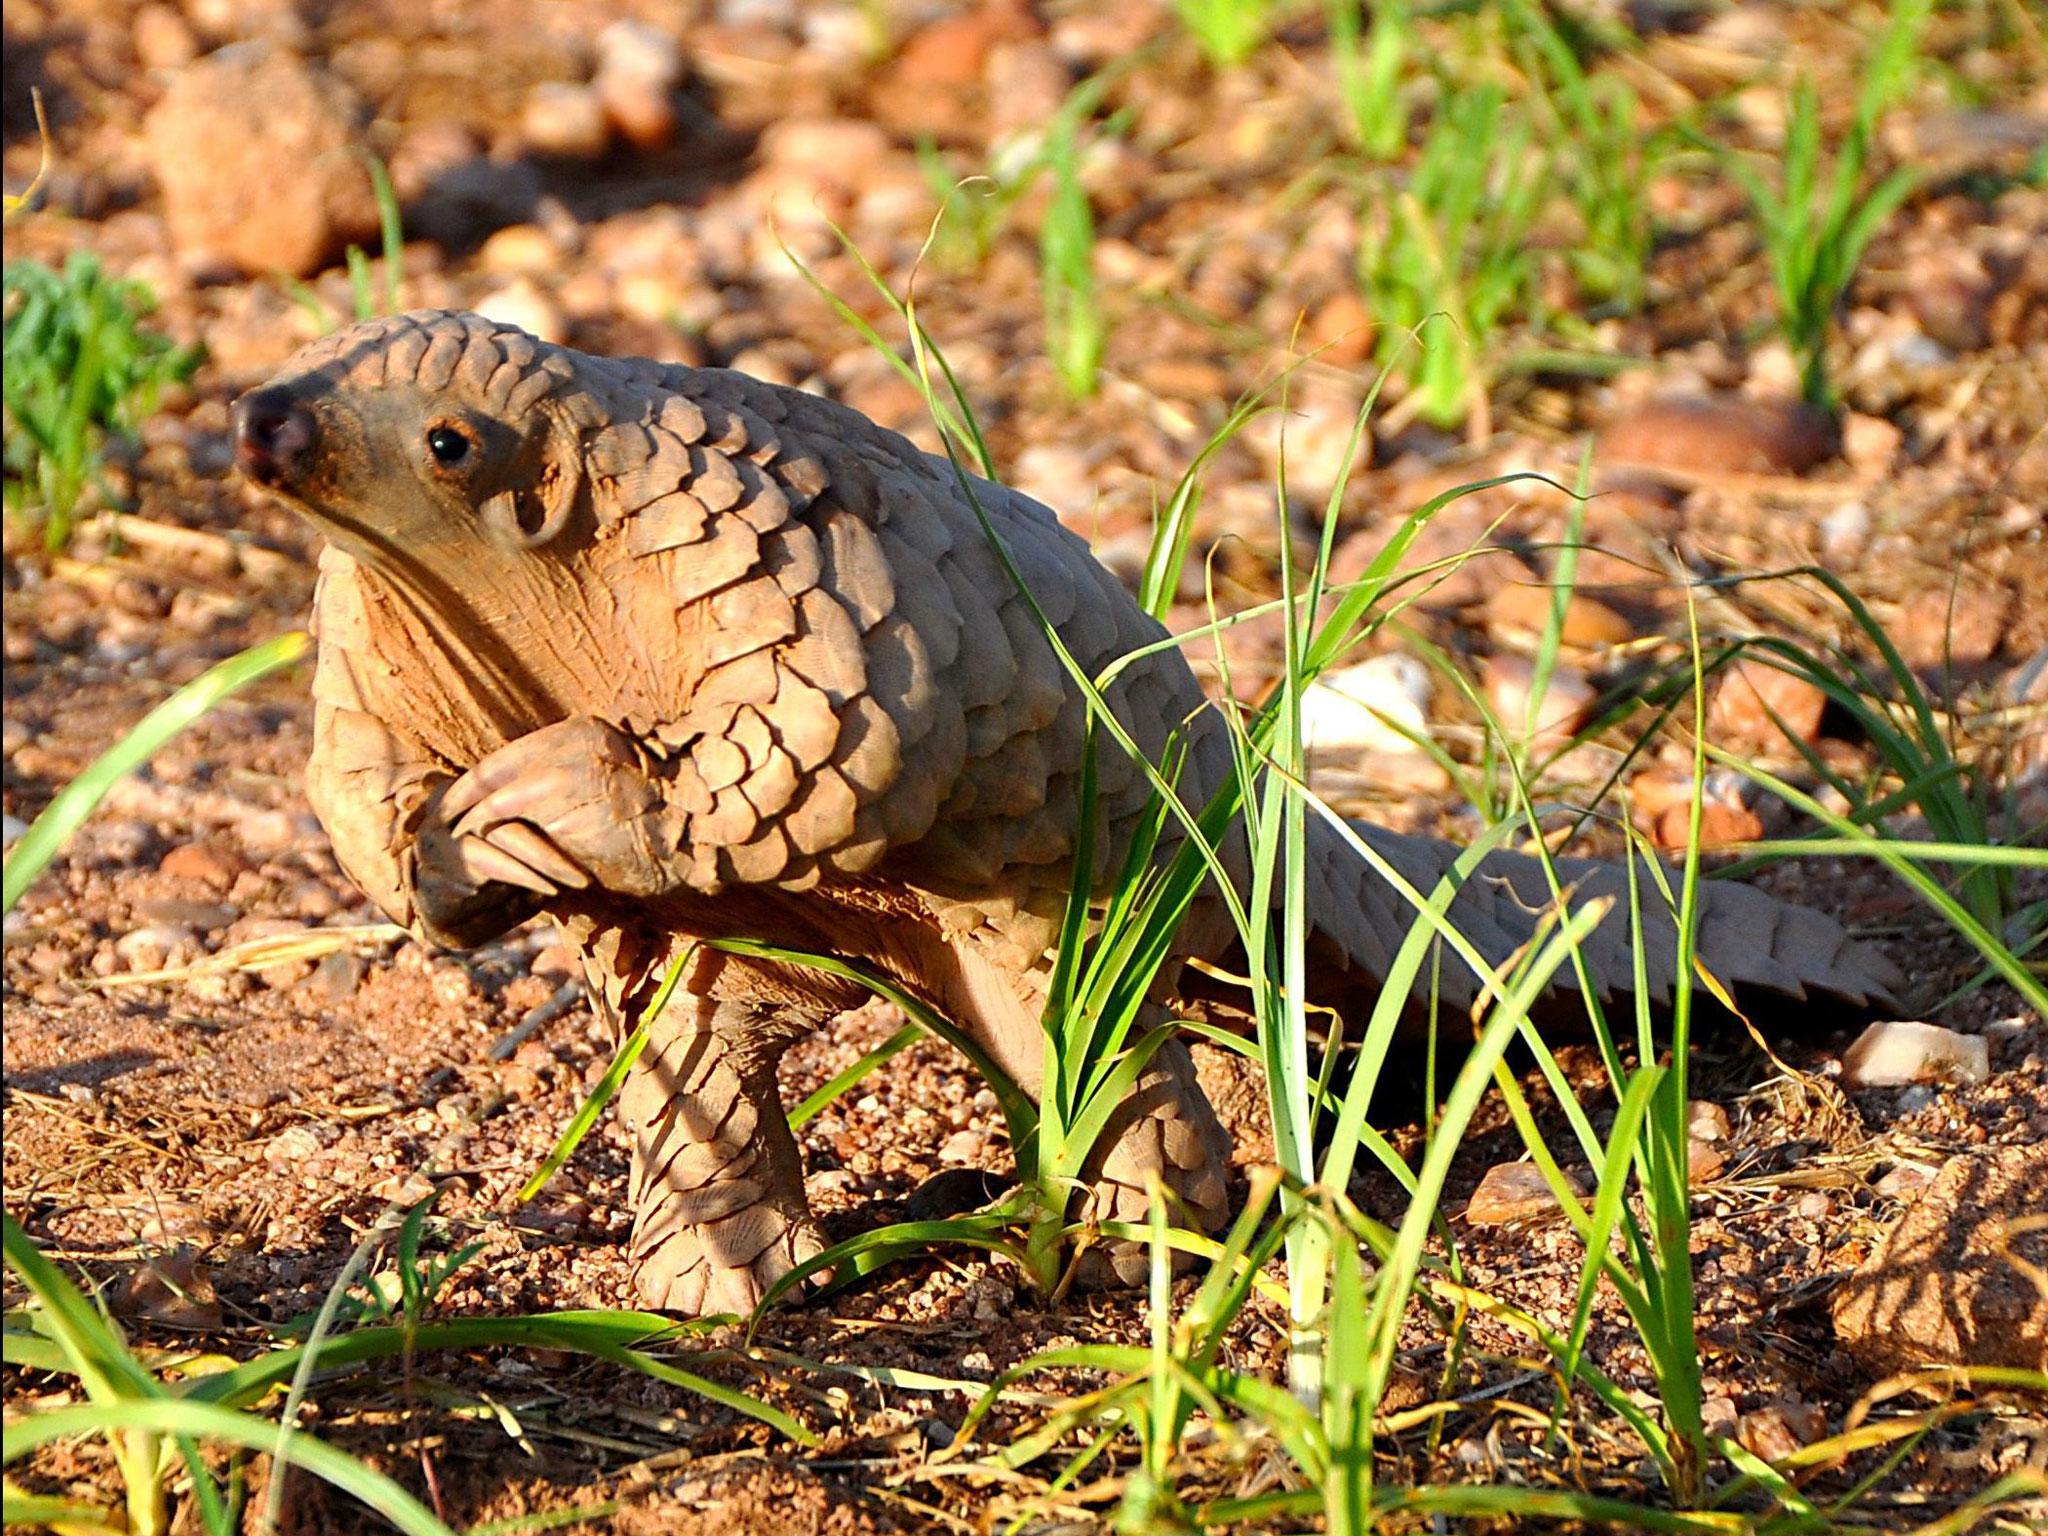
x=717, y=1182
x=1165, y=1126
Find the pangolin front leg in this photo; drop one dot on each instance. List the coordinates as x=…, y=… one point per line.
x=574, y=804
x=568, y=807
x=717, y=1190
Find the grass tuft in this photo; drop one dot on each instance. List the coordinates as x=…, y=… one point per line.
x=1229, y=31
x=80, y=366
x=1447, y=255
x=1821, y=213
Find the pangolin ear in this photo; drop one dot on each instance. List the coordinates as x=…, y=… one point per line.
x=538, y=512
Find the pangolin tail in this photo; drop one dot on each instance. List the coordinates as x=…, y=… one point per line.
x=1745, y=937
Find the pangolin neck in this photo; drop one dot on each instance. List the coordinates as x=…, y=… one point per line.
x=511, y=648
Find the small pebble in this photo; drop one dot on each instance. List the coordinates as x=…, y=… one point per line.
x=522, y=303
x=173, y=1290
x=335, y=979
x=150, y=948
x=1763, y=709
x=1562, y=710
x=1904, y=1181
x=1515, y=1192
x=1518, y=615
x=1780, y=1429
x=566, y=120
x=1719, y=823
x=1845, y=531
x=1707, y=1121
x=638, y=70
x=206, y=863
x=1704, y=1161
x=519, y=250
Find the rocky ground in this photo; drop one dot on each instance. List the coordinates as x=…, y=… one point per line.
x=209, y=1139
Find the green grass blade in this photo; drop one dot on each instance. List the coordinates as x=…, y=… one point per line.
x=607, y=1086
x=44, y=1512
x=76, y=801
x=841, y=1082
x=204, y=1421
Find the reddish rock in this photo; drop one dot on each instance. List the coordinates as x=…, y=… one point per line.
x=1719, y=823
x=1781, y=1428
x=208, y=863
x=953, y=50
x=1560, y=712
x=1519, y=613
x=256, y=151
x=936, y=83
x=1515, y=1192
x=1957, y=1278
x=639, y=69
x=1654, y=791
x=172, y=1290
x=1953, y=625
x=1757, y=706
x=1703, y=1161
x=1871, y=444
x=1722, y=434
x=1340, y=332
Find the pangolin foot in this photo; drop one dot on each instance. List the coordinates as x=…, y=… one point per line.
x=726, y=1263
x=1168, y=1130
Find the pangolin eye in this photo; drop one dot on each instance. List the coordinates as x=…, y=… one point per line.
x=448, y=446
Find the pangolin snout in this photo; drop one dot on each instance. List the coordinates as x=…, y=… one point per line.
x=273, y=435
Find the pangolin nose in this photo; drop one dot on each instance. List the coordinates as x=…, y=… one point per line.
x=273, y=434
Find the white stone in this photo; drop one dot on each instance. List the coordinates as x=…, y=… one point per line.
x=1706, y=1121
x=1895, y=1053
x=1844, y=531
x=151, y=947
x=1315, y=435
x=1380, y=705
x=522, y=303
x=636, y=50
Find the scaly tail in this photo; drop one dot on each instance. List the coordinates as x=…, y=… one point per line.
x=1745, y=937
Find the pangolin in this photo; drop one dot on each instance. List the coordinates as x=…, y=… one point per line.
x=672, y=654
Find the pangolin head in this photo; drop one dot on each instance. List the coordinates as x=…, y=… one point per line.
x=424, y=439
